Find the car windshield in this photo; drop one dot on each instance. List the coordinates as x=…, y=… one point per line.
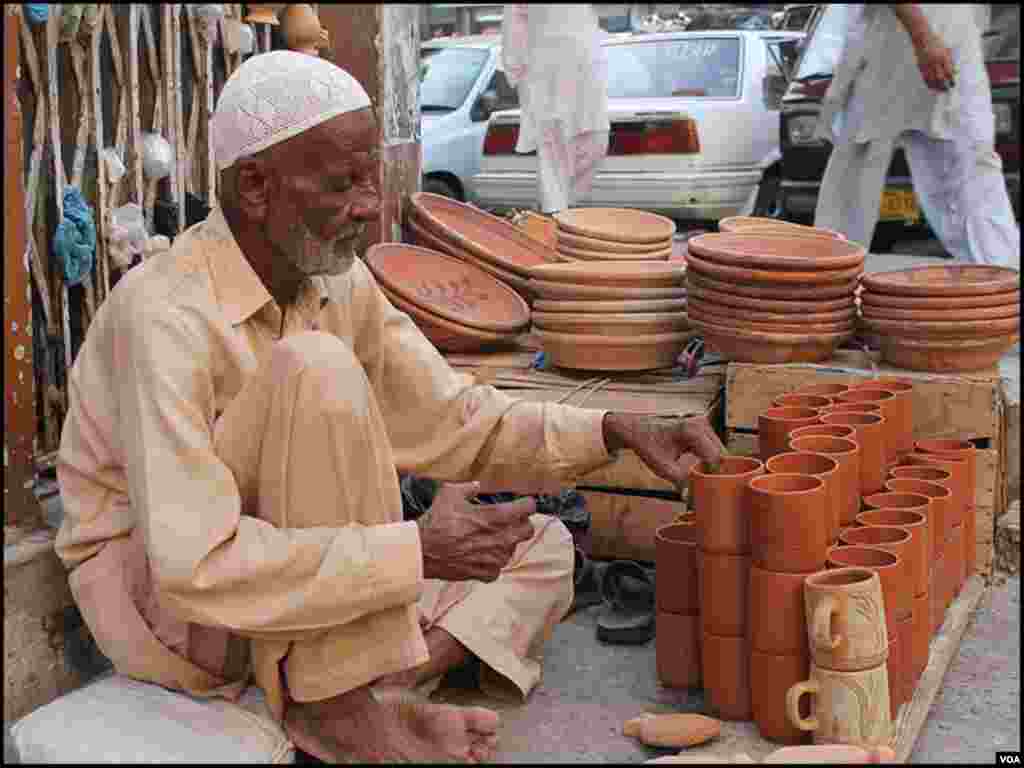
x=447, y=76
x=700, y=66
x=825, y=43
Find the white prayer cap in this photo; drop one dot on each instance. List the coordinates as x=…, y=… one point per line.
x=274, y=96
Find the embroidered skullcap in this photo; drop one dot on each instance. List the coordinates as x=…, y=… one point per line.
x=274, y=96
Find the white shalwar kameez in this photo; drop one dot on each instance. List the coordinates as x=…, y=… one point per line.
x=552, y=54
x=878, y=98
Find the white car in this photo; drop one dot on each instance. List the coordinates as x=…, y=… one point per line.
x=727, y=81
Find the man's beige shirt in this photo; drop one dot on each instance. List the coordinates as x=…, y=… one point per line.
x=174, y=344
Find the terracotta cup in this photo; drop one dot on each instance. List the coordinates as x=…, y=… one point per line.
x=965, y=450
x=846, y=626
x=903, y=411
x=939, y=500
x=825, y=390
x=725, y=669
x=847, y=453
x=890, y=412
x=905, y=631
x=724, y=580
x=798, y=400
x=775, y=612
x=955, y=561
x=870, y=438
x=894, y=666
x=775, y=424
x=771, y=677
x=921, y=636
x=936, y=595
x=852, y=408
x=675, y=562
x=788, y=524
x=896, y=540
x=849, y=707
x=957, y=484
x=720, y=501
x=827, y=430
x=825, y=468
x=677, y=650
x=910, y=511
x=889, y=568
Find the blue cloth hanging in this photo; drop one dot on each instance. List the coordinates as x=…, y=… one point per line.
x=74, y=242
x=36, y=13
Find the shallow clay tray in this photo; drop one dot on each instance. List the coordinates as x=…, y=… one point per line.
x=545, y=289
x=932, y=315
x=939, y=302
x=743, y=223
x=623, y=225
x=777, y=251
x=758, y=347
x=615, y=353
x=580, y=254
x=943, y=329
x=651, y=305
x=448, y=287
x=777, y=306
x=428, y=239
x=770, y=276
x=951, y=280
x=946, y=355
x=699, y=303
x=609, y=246
x=608, y=324
x=696, y=312
x=645, y=274
x=487, y=236
x=843, y=290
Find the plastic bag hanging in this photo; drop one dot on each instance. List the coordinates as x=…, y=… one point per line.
x=36, y=13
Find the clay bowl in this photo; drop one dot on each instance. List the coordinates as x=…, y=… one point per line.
x=870, y=437
x=950, y=328
x=446, y=286
x=946, y=355
x=760, y=229
x=939, y=303
x=890, y=569
x=648, y=274
x=818, y=465
x=730, y=313
x=775, y=424
x=626, y=324
x=902, y=411
x=769, y=306
x=584, y=243
x=745, y=223
x=675, y=561
x=776, y=251
x=613, y=307
x=587, y=352
x=553, y=291
x=920, y=544
x=825, y=390
x=841, y=290
x=788, y=522
x=623, y=225
x=827, y=430
x=720, y=502
x=580, y=254
x=846, y=453
x=801, y=401
x=446, y=335
x=947, y=280
x=748, y=346
x=898, y=605
x=787, y=277
x=738, y=321
x=1002, y=312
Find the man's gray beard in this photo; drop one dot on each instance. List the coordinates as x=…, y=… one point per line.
x=322, y=258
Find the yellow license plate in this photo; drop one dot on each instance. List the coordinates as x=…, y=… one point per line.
x=899, y=205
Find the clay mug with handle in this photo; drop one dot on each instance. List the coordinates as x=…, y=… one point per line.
x=847, y=708
x=846, y=627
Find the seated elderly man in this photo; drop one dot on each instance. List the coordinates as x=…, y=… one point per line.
x=238, y=416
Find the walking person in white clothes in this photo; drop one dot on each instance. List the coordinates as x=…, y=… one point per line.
x=915, y=74
x=552, y=54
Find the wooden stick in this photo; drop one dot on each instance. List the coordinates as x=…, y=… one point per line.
x=102, y=203
x=180, y=151
x=153, y=59
x=134, y=106
x=121, y=130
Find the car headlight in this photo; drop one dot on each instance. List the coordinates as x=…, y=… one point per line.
x=1004, y=118
x=800, y=129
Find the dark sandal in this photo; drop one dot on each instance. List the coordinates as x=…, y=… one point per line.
x=627, y=589
x=586, y=582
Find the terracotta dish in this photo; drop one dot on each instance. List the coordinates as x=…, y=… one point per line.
x=582, y=255
x=759, y=347
x=777, y=251
x=650, y=274
x=939, y=302
x=448, y=287
x=653, y=305
x=445, y=335
x=610, y=246
x=739, y=322
x=546, y=289
x=623, y=225
x=424, y=237
x=952, y=328
x=774, y=306
x=772, y=277
x=842, y=290
x=697, y=301
x=999, y=312
x=613, y=353
x=945, y=355
x=611, y=324
x=742, y=223
x=951, y=280
x=521, y=284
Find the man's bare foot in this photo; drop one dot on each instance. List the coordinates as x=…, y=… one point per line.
x=395, y=727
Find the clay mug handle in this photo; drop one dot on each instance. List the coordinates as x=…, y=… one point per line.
x=793, y=704
x=821, y=624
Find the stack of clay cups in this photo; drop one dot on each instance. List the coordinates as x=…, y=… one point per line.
x=677, y=602
x=720, y=500
x=899, y=409
x=965, y=451
x=849, y=678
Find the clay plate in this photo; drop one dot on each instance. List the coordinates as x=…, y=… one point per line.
x=424, y=237
x=777, y=251
x=939, y=302
x=805, y=318
x=643, y=323
x=946, y=355
x=759, y=347
x=743, y=323
x=622, y=225
x=769, y=276
x=950, y=280
x=743, y=223
x=545, y=289
x=947, y=329
x=445, y=335
x=484, y=235
x=652, y=305
x=577, y=253
x=773, y=306
x=615, y=353
x=842, y=291
x=448, y=287
x=933, y=315
x=609, y=246
x=768, y=229
x=647, y=274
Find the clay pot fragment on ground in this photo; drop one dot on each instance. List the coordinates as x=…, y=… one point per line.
x=817, y=465
x=788, y=522
x=846, y=453
x=720, y=501
x=775, y=424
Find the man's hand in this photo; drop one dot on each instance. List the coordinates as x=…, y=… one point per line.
x=462, y=541
x=670, y=447
x=934, y=59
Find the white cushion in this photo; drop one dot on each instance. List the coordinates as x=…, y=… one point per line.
x=120, y=720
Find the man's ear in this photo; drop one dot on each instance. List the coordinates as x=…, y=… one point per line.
x=253, y=188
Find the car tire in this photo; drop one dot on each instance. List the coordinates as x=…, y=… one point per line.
x=438, y=186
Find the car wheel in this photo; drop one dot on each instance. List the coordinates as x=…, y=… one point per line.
x=440, y=187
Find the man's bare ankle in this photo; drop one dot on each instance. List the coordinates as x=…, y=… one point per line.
x=354, y=702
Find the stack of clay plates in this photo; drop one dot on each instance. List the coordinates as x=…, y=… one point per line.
x=772, y=298
x=613, y=234
x=763, y=225
x=458, y=306
x=961, y=317
x=611, y=315
x=488, y=242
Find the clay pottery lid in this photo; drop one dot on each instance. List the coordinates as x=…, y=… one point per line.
x=613, y=353
x=956, y=329
x=486, y=236
x=743, y=223
x=936, y=303
x=583, y=255
x=611, y=324
x=727, y=319
x=619, y=273
x=948, y=280
x=448, y=287
x=787, y=277
x=754, y=313
x=596, y=306
x=749, y=346
x=777, y=251
x=946, y=355
x=776, y=306
x=841, y=290
x=445, y=335
x=999, y=312
x=608, y=246
x=623, y=225
x=547, y=289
